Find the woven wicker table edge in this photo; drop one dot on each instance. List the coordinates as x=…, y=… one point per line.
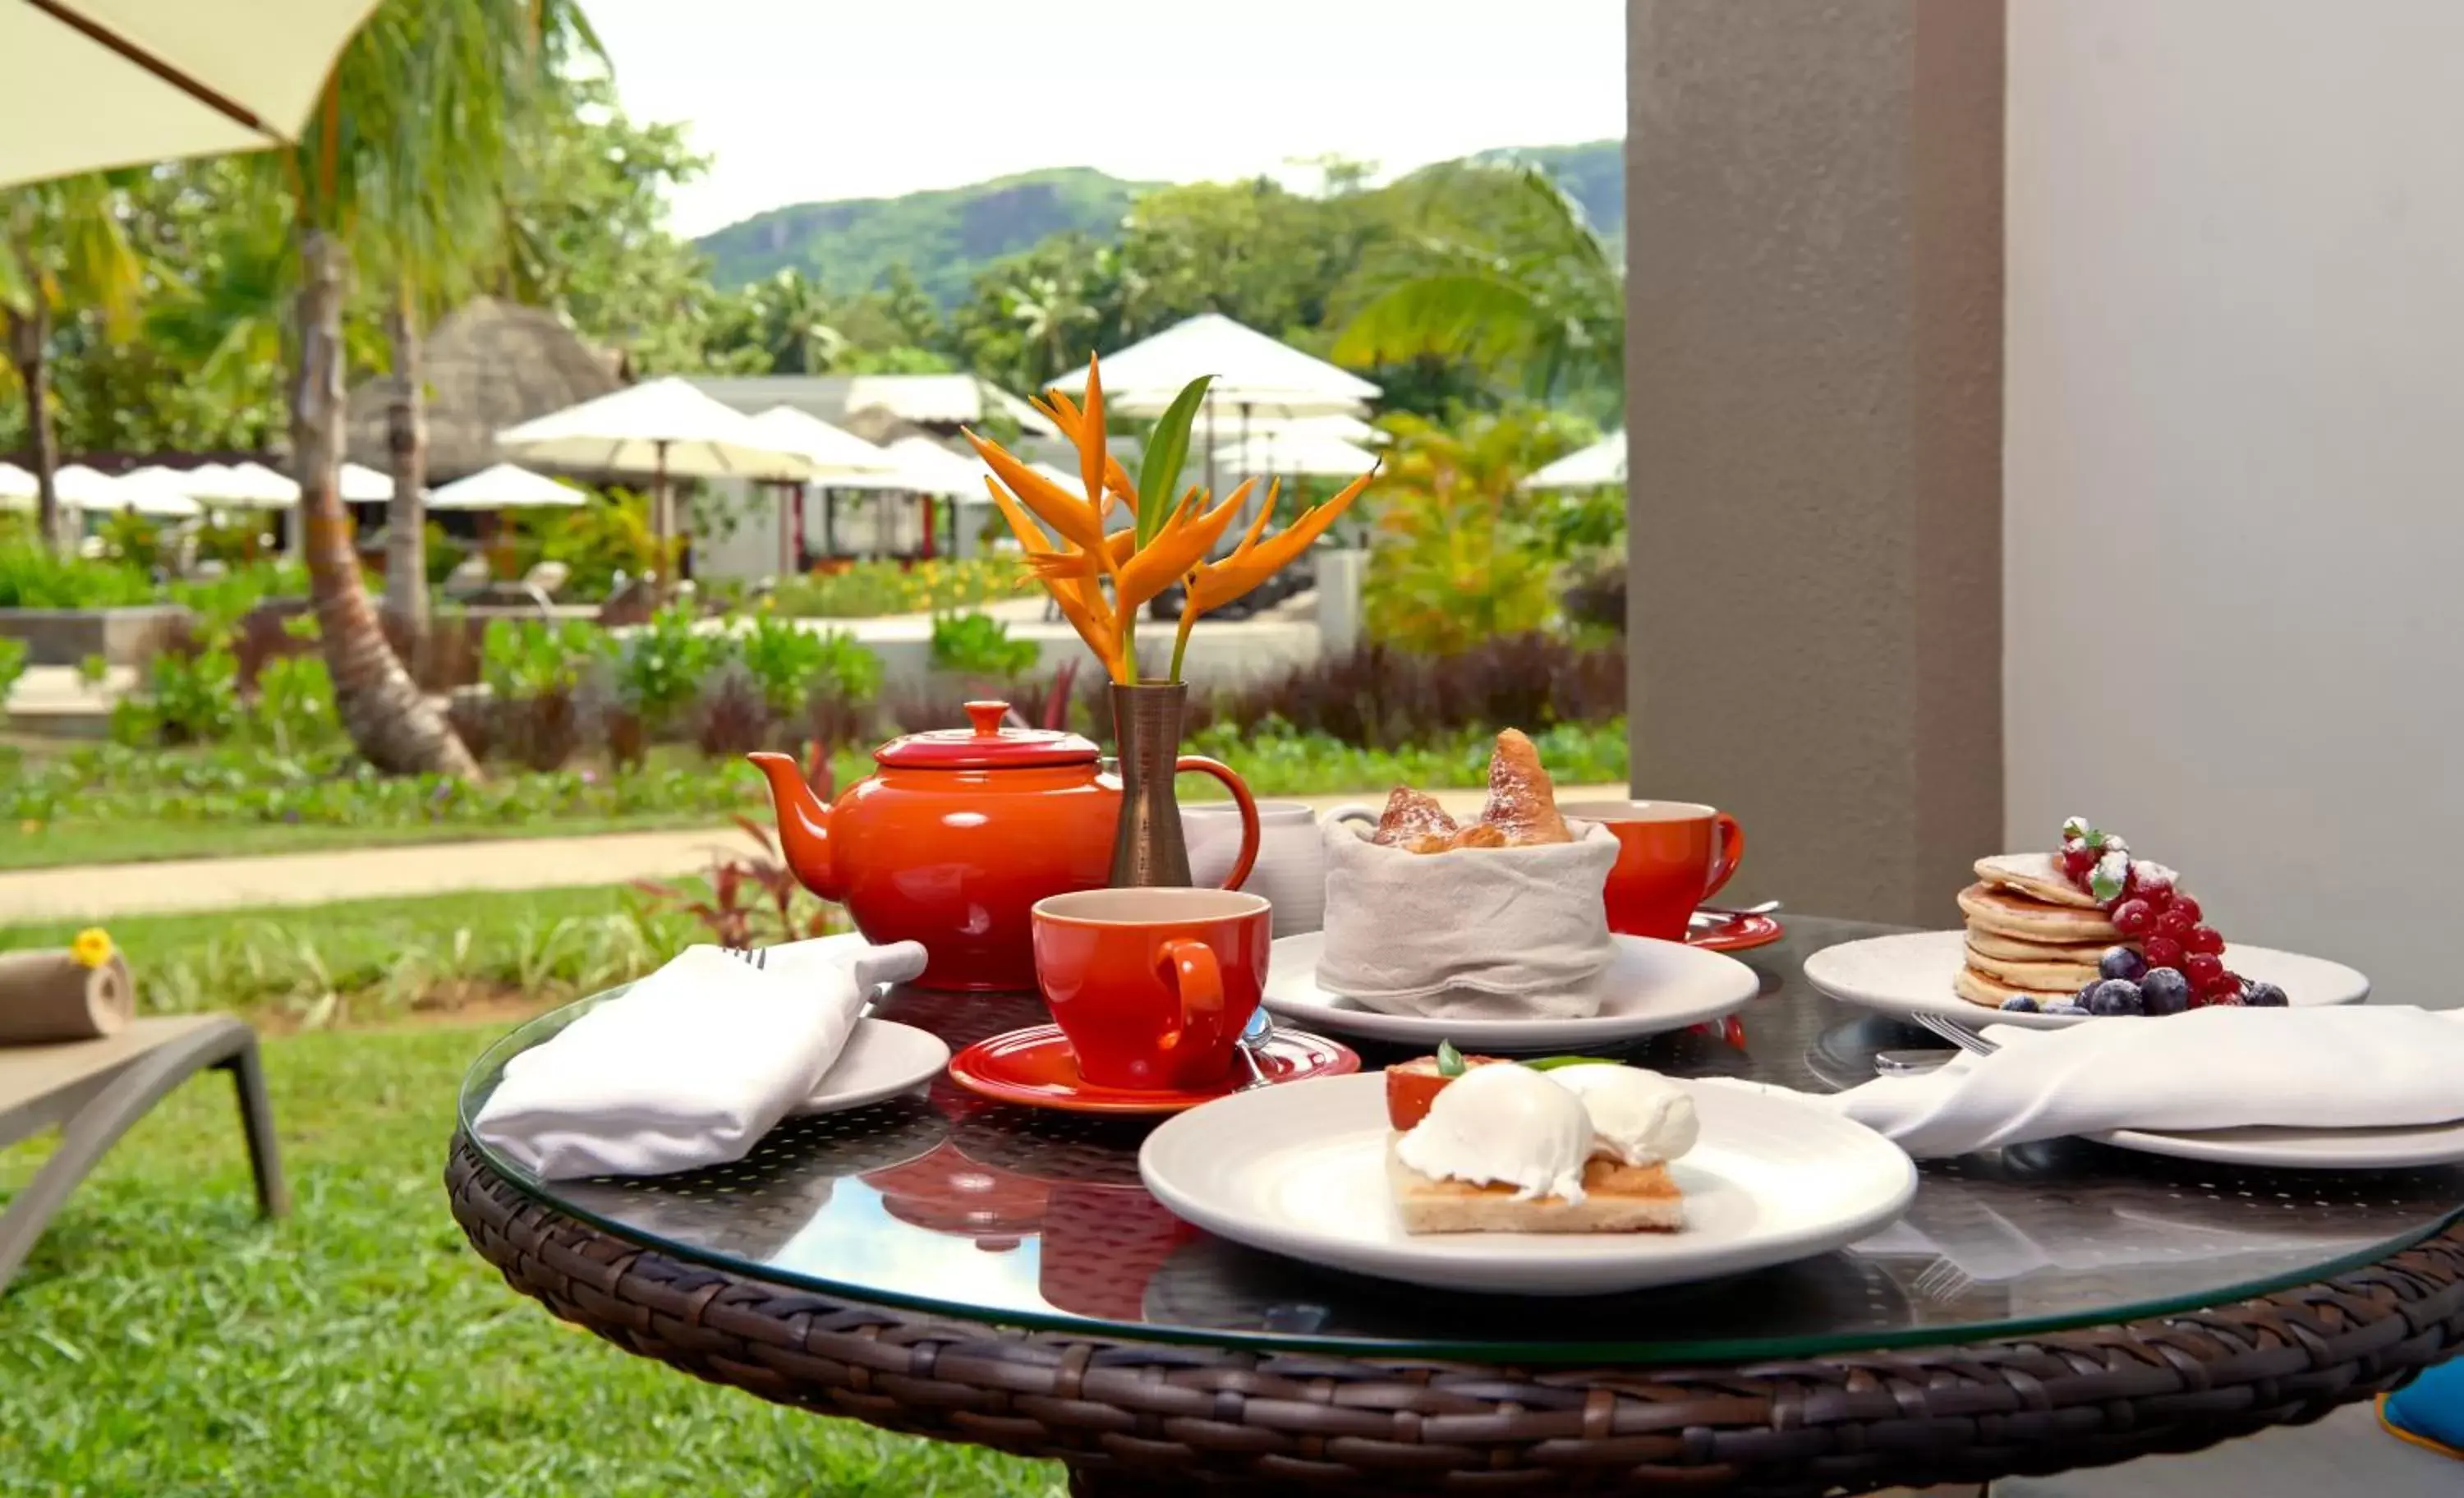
x=1179, y=1414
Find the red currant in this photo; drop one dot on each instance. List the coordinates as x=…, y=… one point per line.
x=2175, y=922
x=2204, y=938
x=2202, y=970
x=2183, y=902
x=2152, y=884
x=2164, y=952
x=2132, y=918
x=2078, y=858
x=2227, y=999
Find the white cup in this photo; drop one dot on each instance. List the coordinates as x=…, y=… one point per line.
x=1291, y=870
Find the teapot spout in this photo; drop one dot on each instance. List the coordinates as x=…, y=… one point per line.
x=803, y=824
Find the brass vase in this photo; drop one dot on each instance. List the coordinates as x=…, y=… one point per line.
x=1147, y=847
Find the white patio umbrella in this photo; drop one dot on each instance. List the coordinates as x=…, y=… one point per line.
x=1255, y=377
x=1252, y=370
x=100, y=83
x=241, y=486
x=16, y=488
x=152, y=491
x=662, y=428
x=361, y=484
x=83, y=488
x=1315, y=457
x=505, y=486
x=1599, y=465
x=829, y=452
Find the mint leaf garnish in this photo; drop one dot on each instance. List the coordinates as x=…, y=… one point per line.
x=1556, y=1063
x=1450, y=1062
x=2103, y=888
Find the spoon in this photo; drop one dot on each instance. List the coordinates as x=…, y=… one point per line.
x=1255, y=1037
x=1721, y=915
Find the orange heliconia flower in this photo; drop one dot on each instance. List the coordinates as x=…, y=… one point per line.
x=1073, y=555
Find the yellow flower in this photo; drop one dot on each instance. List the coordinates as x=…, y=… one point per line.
x=91, y=948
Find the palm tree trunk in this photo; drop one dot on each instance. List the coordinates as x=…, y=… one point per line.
x=406, y=594
x=395, y=728
x=30, y=335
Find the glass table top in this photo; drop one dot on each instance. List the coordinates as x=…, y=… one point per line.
x=948, y=1204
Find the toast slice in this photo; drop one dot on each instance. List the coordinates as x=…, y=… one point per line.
x=1616, y=1199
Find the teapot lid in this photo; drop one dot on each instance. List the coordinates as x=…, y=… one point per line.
x=986, y=745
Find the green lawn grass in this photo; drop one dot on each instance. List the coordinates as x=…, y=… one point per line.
x=364, y=960
x=162, y=1340
x=66, y=844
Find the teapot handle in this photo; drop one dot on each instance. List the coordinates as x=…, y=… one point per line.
x=1241, y=797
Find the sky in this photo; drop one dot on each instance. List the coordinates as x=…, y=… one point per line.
x=844, y=99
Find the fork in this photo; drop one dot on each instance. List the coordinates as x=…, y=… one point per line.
x=755, y=958
x=1958, y=1034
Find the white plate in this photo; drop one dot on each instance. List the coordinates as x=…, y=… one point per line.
x=1911, y=975
x=2303, y=1149
x=883, y=1059
x=1301, y=1170
x=1652, y=987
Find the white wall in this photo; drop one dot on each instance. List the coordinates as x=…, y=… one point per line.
x=2235, y=459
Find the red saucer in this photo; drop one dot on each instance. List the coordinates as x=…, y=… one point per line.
x=1036, y=1069
x=1737, y=935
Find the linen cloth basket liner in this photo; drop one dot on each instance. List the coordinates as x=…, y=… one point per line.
x=1483, y=932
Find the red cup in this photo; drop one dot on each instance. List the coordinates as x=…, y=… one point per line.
x=1153, y=986
x=1672, y=855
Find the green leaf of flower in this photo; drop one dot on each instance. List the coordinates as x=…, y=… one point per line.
x=1167, y=450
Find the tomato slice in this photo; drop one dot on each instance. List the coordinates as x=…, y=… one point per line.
x=1412, y=1086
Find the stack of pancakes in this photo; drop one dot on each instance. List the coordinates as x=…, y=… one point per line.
x=2031, y=933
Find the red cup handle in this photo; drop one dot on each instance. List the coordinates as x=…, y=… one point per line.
x=1241, y=797
x=1200, y=980
x=1732, y=847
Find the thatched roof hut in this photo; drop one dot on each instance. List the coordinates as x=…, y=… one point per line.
x=490, y=364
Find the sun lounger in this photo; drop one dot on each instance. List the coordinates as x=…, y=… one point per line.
x=93, y=1090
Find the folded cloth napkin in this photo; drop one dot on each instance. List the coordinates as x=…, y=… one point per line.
x=1479, y=933
x=690, y=1067
x=2327, y=1068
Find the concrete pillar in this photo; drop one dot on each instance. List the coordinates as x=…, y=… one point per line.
x=1813, y=202
x=1339, y=575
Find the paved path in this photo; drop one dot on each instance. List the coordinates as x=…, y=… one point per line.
x=99, y=892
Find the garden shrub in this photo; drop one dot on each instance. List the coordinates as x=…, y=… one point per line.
x=1381, y=698
x=978, y=645
x=13, y=656
x=869, y=589
x=33, y=575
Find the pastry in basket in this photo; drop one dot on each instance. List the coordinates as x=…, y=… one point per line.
x=1507, y=1148
x=1522, y=809
x=2088, y=929
x=1508, y=919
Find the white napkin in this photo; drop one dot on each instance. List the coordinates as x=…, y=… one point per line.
x=2327, y=1068
x=691, y=1066
x=1479, y=933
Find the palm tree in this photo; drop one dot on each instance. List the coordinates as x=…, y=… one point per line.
x=1530, y=289
x=418, y=107
x=62, y=244
x=796, y=321
x=431, y=237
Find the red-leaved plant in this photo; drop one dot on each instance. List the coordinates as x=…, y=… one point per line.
x=755, y=899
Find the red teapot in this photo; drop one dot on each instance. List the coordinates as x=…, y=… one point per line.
x=957, y=835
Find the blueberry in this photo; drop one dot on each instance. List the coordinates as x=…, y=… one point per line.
x=2264, y=995
x=2122, y=962
x=2018, y=1004
x=2064, y=1008
x=2165, y=991
x=2116, y=995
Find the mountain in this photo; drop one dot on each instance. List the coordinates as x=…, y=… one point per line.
x=946, y=235
x=943, y=236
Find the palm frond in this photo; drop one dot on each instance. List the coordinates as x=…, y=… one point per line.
x=1480, y=315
